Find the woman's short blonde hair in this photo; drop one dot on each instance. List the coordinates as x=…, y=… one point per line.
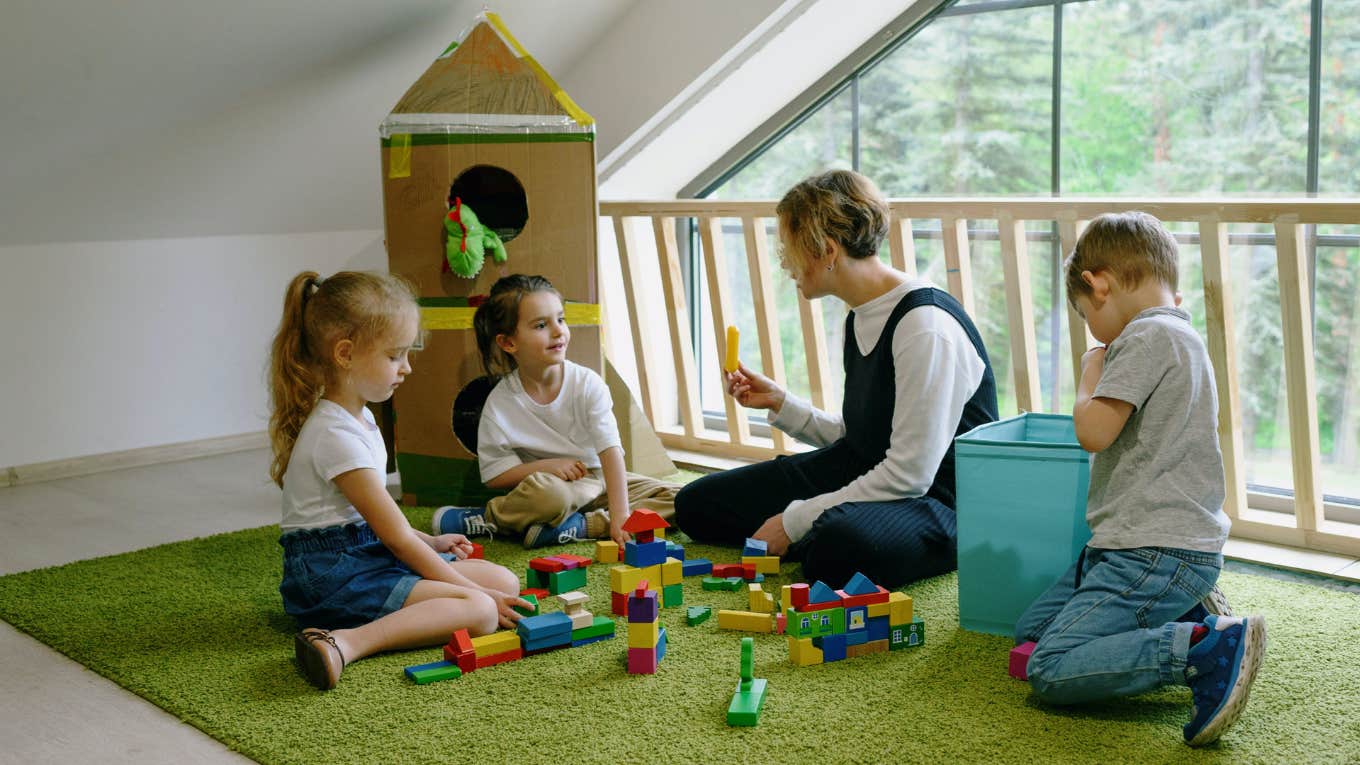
x=840, y=205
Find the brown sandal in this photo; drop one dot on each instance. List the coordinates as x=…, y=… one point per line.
x=319, y=657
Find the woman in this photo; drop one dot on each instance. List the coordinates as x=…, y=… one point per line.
x=878, y=495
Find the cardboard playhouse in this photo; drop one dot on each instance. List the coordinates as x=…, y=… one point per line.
x=486, y=129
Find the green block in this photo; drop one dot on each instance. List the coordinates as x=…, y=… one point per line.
x=907, y=635
x=434, y=675
x=714, y=583
x=748, y=658
x=673, y=595
x=697, y=615
x=566, y=581
x=535, y=579
x=746, y=703
x=801, y=624
x=602, y=625
x=533, y=599
x=733, y=583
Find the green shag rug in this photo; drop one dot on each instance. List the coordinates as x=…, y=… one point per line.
x=197, y=628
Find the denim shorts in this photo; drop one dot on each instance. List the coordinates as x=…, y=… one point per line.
x=338, y=577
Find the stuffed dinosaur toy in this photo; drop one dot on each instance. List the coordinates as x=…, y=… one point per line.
x=467, y=241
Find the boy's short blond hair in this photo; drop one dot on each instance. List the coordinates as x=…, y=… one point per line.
x=1131, y=246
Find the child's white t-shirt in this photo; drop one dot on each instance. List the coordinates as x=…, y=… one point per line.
x=515, y=429
x=332, y=441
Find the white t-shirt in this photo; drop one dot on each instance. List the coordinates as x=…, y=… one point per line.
x=936, y=371
x=332, y=441
x=515, y=429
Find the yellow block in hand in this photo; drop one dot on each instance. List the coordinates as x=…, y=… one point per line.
x=733, y=342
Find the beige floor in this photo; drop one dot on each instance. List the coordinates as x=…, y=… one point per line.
x=53, y=710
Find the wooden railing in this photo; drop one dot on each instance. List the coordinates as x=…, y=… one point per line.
x=1307, y=527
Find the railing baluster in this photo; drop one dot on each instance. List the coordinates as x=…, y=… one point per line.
x=673, y=288
x=1218, y=320
x=1296, y=325
x=1069, y=230
x=958, y=265
x=715, y=265
x=1020, y=312
x=767, y=317
x=901, y=246
x=814, y=345
x=632, y=281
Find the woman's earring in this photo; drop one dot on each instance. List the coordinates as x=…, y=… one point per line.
x=831, y=266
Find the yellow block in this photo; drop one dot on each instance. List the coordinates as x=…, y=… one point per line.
x=659, y=533
x=606, y=551
x=643, y=634
x=496, y=642
x=878, y=609
x=746, y=621
x=672, y=572
x=760, y=600
x=803, y=653
x=786, y=597
x=899, y=608
x=765, y=564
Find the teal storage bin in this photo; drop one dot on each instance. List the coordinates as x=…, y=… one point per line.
x=1021, y=491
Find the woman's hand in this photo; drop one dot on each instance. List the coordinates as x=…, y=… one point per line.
x=772, y=533
x=753, y=390
x=457, y=544
x=566, y=468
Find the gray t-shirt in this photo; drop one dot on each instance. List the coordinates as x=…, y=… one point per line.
x=1160, y=484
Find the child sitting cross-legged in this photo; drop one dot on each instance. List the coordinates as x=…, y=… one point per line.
x=1139, y=609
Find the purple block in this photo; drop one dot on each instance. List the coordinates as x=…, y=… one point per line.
x=643, y=609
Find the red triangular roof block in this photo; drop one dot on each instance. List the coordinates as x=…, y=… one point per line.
x=644, y=520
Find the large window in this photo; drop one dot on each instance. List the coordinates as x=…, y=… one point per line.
x=1150, y=98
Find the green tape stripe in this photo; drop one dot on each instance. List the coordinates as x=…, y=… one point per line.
x=443, y=480
x=444, y=139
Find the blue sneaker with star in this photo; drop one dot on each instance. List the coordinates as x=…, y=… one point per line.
x=1219, y=670
x=1213, y=604
x=573, y=529
x=468, y=521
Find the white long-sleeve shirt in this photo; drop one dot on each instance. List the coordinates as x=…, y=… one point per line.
x=936, y=372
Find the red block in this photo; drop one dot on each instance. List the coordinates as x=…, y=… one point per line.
x=567, y=563
x=1020, y=659
x=725, y=570
x=539, y=593
x=465, y=661
x=748, y=571
x=618, y=603
x=641, y=591
x=477, y=552
x=547, y=565
x=582, y=560
x=642, y=661
x=461, y=642
x=780, y=622
x=500, y=658
x=863, y=600
x=798, y=593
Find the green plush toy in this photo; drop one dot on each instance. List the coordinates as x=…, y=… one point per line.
x=467, y=241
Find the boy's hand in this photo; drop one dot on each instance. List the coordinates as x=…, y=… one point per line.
x=1093, y=355
x=505, y=604
x=457, y=544
x=772, y=533
x=616, y=532
x=566, y=468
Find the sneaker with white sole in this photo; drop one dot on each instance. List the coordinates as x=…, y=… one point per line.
x=468, y=521
x=1219, y=670
x=573, y=529
x=1213, y=604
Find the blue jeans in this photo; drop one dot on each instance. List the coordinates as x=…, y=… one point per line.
x=1106, y=628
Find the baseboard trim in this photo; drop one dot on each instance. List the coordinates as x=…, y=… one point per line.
x=130, y=458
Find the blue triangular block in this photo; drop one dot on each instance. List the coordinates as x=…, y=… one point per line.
x=859, y=584
x=820, y=593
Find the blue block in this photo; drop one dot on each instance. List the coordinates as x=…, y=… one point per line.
x=1021, y=488
x=859, y=584
x=820, y=593
x=674, y=550
x=589, y=640
x=661, y=646
x=755, y=547
x=759, y=578
x=533, y=628
x=547, y=641
x=858, y=637
x=878, y=628
x=833, y=647
x=856, y=618
x=644, y=554
x=412, y=670
x=696, y=566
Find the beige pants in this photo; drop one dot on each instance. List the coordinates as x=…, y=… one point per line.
x=545, y=498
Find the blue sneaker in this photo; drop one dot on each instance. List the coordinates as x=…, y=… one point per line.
x=468, y=521
x=1213, y=604
x=573, y=529
x=1219, y=670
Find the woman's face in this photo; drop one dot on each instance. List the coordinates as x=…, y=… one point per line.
x=806, y=271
